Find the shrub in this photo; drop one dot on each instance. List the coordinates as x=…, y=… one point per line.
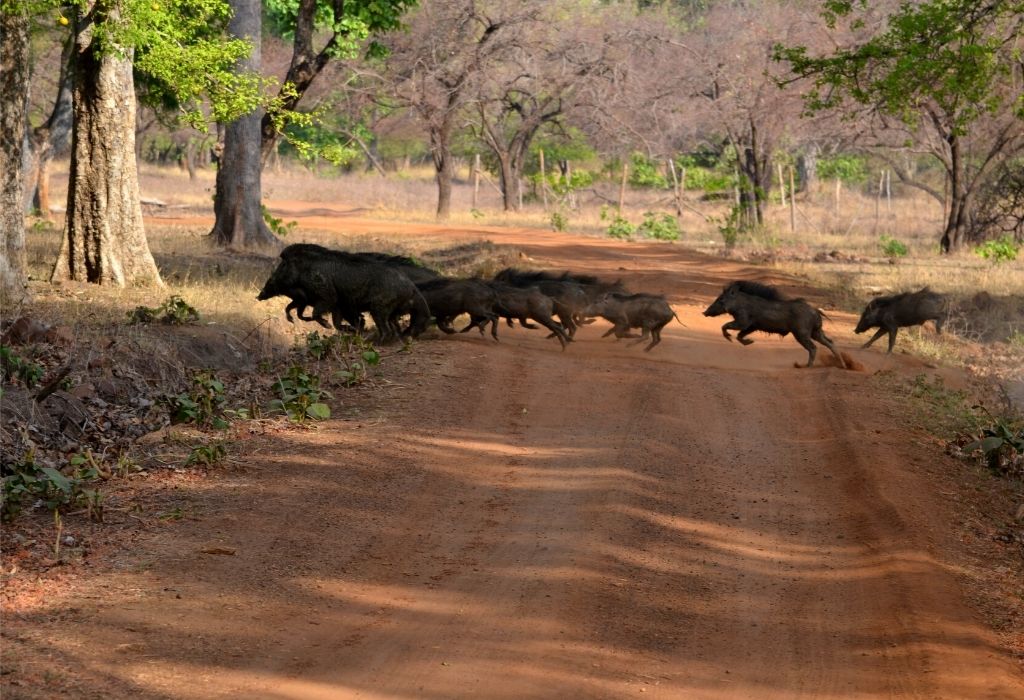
x=663, y=228
x=13, y=367
x=998, y=251
x=645, y=173
x=559, y=221
x=620, y=228
x=174, y=311
x=299, y=395
x=204, y=404
x=893, y=248
x=27, y=482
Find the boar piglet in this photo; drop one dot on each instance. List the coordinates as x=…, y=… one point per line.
x=649, y=312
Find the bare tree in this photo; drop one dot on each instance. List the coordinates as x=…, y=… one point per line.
x=434, y=67
x=552, y=68
x=51, y=137
x=14, y=75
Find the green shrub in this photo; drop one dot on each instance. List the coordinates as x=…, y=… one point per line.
x=26, y=482
x=893, y=248
x=277, y=226
x=848, y=168
x=645, y=173
x=663, y=227
x=620, y=228
x=1002, y=250
x=203, y=405
x=299, y=395
x=174, y=311
x=559, y=220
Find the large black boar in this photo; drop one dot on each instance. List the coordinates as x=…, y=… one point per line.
x=649, y=312
x=889, y=314
x=347, y=285
x=758, y=307
x=448, y=298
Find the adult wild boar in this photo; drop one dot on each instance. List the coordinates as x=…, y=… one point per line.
x=347, y=285
x=569, y=297
x=889, y=314
x=759, y=307
x=649, y=312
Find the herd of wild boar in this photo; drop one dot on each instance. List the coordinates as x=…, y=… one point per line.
x=391, y=287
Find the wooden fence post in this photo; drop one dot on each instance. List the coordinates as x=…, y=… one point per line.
x=476, y=178
x=543, y=180
x=782, y=186
x=622, y=186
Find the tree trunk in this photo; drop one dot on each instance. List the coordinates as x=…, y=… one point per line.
x=959, y=200
x=440, y=147
x=509, y=183
x=237, y=205
x=50, y=138
x=807, y=168
x=104, y=241
x=14, y=80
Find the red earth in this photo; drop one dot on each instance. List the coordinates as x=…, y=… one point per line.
x=508, y=520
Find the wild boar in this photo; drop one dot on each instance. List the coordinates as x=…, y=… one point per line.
x=889, y=314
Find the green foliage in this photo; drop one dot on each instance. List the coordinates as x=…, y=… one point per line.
x=24, y=481
x=174, y=311
x=299, y=395
x=559, y=220
x=663, y=227
x=893, y=248
x=1002, y=250
x=277, y=226
x=358, y=20
x=13, y=367
x=945, y=53
x=620, y=228
x=947, y=411
x=646, y=173
x=1001, y=445
x=203, y=405
x=729, y=226
x=209, y=454
x=706, y=172
x=850, y=169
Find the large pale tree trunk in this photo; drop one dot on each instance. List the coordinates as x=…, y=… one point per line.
x=14, y=75
x=104, y=241
x=237, y=204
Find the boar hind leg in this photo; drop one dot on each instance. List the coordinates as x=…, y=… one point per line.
x=938, y=326
x=730, y=326
x=742, y=336
x=812, y=349
x=820, y=336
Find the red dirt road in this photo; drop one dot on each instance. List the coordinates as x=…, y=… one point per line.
x=513, y=521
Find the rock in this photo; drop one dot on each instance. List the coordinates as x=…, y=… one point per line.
x=60, y=335
x=69, y=412
x=84, y=391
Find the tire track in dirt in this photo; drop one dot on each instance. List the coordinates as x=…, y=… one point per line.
x=702, y=521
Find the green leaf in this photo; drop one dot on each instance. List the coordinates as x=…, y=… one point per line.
x=318, y=411
x=58, y=479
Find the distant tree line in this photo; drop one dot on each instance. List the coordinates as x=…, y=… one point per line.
x=737, y=85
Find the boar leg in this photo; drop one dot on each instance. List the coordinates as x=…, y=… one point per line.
x=820, y=336
x=730, y=326
x=876, y=336
x=742, y=336
x=892, y=339
x=938, y=326
x=812, y=349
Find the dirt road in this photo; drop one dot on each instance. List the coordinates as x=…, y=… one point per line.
x=513, y=521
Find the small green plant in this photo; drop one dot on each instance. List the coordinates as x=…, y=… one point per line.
x=893, y=248
x=1001, y=445
x=729, y=226
x=559, y=220
x=998, y=251
x=664, y=227
x=204, y=404
x=26, y=482
x=174, y=311
x=277, y=226
x=320, y=346
x=947, y=411
x=620, y=228
x=1016, y=339
x=355, y=369
x=299, y=395
x=16, y=368
x=477, y=214
x=209, y=454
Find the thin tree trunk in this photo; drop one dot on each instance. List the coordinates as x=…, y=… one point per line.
x=104, y=241
x=622, y=186
x=238, y=204
x=14, y=85
x=543, y=180
x=440, y=142
x=476, y=178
